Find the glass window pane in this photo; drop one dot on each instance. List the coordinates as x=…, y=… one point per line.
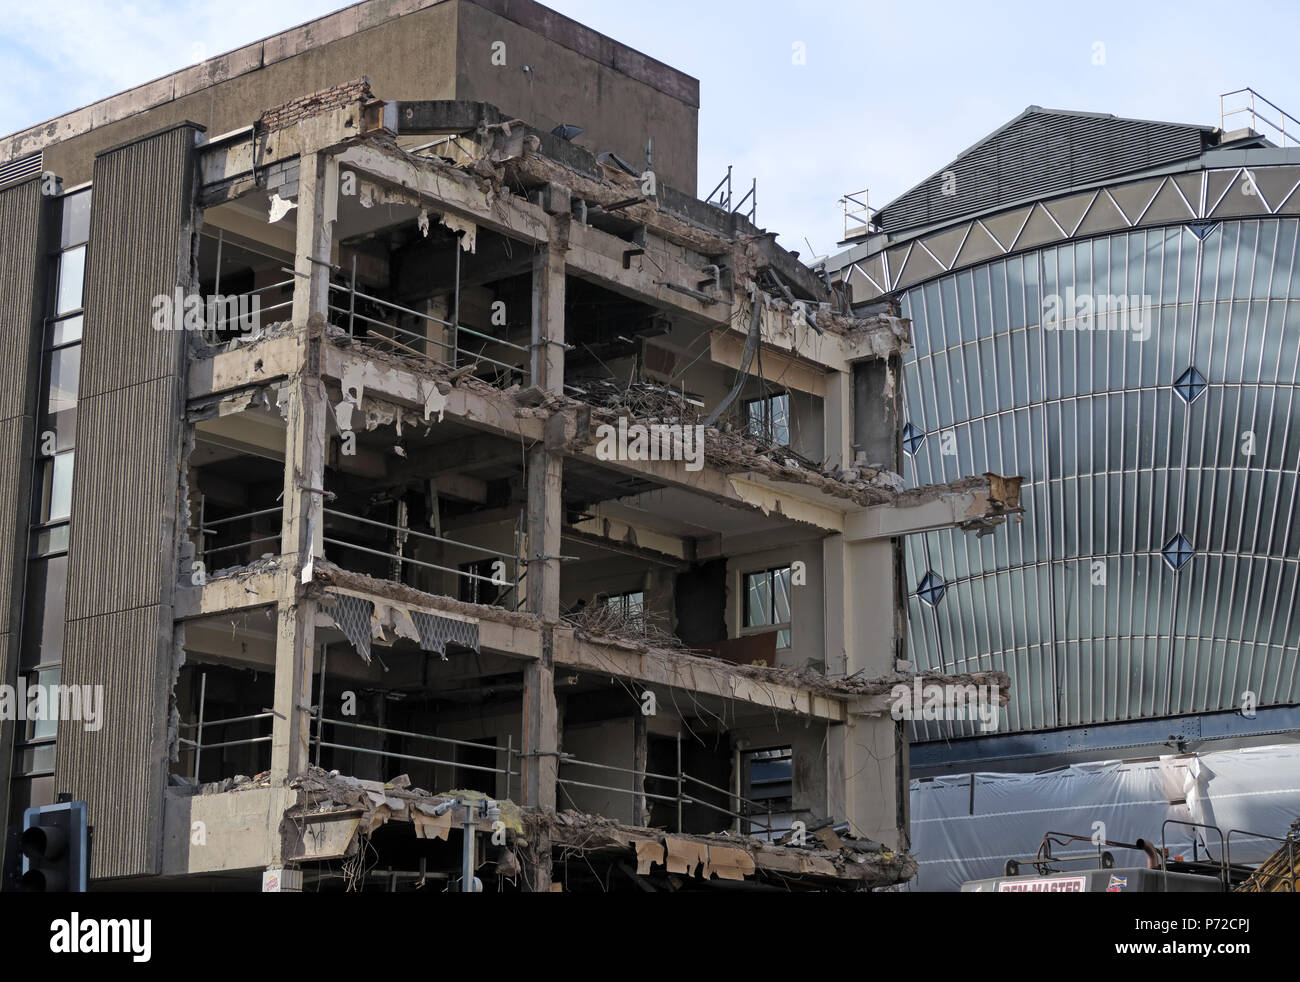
x=758, y=599
x=43, y=623
x=56, y=488
x=65, y=331
x=72, y=267
x=64, y=369
x=44, y=729
x=76, y=219
x=781, y=596
x=780, y=413
x=51, y=540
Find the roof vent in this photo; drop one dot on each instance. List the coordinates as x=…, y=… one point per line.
x=21, y=168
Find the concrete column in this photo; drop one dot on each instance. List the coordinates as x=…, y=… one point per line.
x=548, y=310
x=304, y=471
x=862, y=597
x=838, y=431
x=866, y=778
x=545, y=515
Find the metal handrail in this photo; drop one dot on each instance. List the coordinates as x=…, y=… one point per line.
x=506, y=586
x=858, y=212
x=457, y=328
x=425, y=535
x=1164, y=850
x=223, y=722
x=724, y=200
x=508, y=749
x=1255, y=115
x=1289, y=879
x=226, y=743
x=236, y=518
x=202, y=724
x=408, y=559
x=251, y=293
x=207, y=527
x=680, y=798
x=424, y=338
x=415, y=735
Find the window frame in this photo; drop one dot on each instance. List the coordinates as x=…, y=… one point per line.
x=767, y=422
x=784, y=629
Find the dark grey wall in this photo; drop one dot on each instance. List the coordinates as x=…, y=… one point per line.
x=122, y=545
x=876, y=406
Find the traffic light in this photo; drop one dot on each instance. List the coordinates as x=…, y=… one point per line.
x=55, y=849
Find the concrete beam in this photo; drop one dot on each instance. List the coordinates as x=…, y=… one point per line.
x=501, y=637
x=229, y=594
x=451, y=191
x=970, y=508
x=791, y=373
x=693, y=674
x=598, y=256
x=481, y=407
x=266, y=361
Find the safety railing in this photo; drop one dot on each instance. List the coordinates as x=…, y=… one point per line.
x=743, y=810
x=248, y=306
x=202, y=725
x=445, y=342
x=512, y=586
x=456, y=349
x=859, y=216
x=1220, y=865
x=1288, y=879
x=508, y=750
x=243, y=312
x=721, y=196
x=208, y=528
x=1254, y=106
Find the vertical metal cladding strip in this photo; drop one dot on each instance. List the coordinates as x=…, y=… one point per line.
x=24, y=230
x=122, y=545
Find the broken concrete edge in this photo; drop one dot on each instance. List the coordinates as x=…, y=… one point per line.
x=726, y=855
x=325, y=797
x=1003, y=492
x=325, y=574
x=842, y=688
x=512, y=157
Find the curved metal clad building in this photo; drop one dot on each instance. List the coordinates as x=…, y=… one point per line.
x=1110, y=308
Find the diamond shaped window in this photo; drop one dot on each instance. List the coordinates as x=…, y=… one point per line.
x=1190, y=385
x=1178, y=552
x=931, y=588
x=912, y=439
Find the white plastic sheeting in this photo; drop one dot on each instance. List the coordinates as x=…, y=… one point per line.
x=956, y=838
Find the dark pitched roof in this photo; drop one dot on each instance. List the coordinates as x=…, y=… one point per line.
x=1039, y=152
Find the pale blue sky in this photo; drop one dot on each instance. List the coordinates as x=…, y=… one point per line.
x=889, y=94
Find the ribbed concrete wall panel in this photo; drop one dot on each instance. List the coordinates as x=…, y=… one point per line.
x=24, y=237
x=21, y=209
x=14, y=434
x=121, y=570
x=139, y=249
x=124, y=499
x=118, y=768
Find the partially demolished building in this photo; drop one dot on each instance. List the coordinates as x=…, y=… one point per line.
x=441, y=478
